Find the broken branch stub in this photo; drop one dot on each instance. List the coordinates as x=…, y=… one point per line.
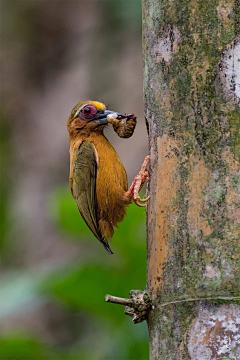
x=138, y=307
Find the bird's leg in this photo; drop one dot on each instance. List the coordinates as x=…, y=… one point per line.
x=138, y=183
x=123, y=129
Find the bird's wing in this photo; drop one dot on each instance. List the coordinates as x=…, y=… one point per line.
x=84, y=188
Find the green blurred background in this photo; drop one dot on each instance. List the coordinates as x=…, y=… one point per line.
x=54, y=272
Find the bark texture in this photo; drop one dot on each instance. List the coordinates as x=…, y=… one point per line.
x=191, y=52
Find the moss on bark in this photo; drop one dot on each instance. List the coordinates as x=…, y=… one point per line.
x=192, y=108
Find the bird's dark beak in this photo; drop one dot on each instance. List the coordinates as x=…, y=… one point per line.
x=102, y=118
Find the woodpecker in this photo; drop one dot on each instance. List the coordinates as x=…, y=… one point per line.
x=98, y=179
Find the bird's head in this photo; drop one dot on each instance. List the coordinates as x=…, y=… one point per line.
x=89, y=116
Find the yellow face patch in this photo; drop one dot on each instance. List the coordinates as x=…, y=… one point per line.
x=97, y=104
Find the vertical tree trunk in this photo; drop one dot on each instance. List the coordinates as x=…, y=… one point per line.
x=191, y=51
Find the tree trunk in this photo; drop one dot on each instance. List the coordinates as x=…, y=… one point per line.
x=191, y=52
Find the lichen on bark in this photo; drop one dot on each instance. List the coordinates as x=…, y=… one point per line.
x=193, y=116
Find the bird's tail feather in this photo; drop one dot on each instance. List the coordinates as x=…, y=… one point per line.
x=106, y=246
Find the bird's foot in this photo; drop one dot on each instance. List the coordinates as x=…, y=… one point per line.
x=138, y=183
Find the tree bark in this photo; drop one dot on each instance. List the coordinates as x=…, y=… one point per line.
x=191, y=53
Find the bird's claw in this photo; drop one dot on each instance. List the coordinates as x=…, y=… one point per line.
x=138, y=183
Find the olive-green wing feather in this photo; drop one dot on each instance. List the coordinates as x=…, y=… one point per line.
x=84, y=188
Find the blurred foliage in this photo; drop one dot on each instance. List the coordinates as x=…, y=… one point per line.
x=19, y=347
x=5, y=157
x=80, y=287
x=41, y=40
x=8, y=243
x=83, y=285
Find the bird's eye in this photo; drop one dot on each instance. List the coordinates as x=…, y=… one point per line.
x=89, y=112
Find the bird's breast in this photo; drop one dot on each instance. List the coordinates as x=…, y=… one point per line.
x=111, y=182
